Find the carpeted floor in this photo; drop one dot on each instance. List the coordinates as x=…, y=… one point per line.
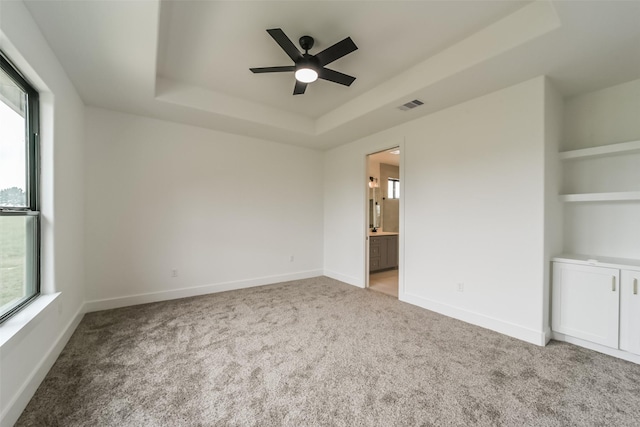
x=319, y=352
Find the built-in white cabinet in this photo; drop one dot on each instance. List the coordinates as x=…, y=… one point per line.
x=586, y=302
x=597, y=301
x=630, y=311
x=595, y=297
x=592, y=285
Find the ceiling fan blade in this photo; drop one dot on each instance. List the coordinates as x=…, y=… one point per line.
x=300, y=88
x=336, y=51
x=335, y=76
x=285, y=43
x=273, y=69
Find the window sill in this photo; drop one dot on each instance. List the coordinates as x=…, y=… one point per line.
x=26, y=318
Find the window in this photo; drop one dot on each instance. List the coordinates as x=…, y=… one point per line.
x=19, y=201
x=393, y=189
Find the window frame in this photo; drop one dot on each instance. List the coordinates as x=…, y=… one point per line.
x=395, y=185
x=32, y=208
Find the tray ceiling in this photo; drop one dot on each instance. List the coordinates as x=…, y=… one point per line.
x=189, y=61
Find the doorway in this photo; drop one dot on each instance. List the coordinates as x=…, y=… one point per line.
x=383, y=213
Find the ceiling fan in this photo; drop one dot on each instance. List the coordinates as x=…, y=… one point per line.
x=308, y=68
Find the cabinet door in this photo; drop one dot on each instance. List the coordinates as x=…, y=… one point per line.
x=384, y=260
x=374, y=247
x=392, y=251
x=630, y=311
x=377, y=253
x=586, y=302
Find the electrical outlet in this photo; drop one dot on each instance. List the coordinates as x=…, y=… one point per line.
x=460, y=287
x=291, y=258
x=174, y=272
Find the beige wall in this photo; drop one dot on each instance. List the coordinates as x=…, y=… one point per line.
x=390, y=207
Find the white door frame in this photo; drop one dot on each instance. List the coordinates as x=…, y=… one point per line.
x=401, y=237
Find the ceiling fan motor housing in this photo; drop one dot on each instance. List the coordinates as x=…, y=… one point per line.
x=306, y=43
x=308, y=61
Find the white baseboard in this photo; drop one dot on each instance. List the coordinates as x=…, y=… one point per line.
x=630, y=357
x=506, y=328
x=109, y=303
x=28, y=389
x=344, y=278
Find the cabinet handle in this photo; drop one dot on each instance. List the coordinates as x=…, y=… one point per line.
x=635, y=286
x=613, y=283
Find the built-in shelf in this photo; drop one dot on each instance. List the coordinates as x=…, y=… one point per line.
x=620, y=196
x=603, y=150
x=599, y=261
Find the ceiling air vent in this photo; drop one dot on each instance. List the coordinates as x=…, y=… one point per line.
x=411, y=104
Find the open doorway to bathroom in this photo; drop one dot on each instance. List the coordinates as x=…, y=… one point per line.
x=383, y=189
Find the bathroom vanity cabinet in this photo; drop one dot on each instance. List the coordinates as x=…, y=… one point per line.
x=383, y=252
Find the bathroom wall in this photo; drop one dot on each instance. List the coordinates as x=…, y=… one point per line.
x=390, y=207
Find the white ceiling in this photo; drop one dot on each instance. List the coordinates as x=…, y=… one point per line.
x=387, y=157
x=213, y=44
x=189, y=61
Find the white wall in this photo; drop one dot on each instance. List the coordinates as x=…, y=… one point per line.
x=553, y=217
x=602, y=117
x=226, y=211
x=346, y=198
x=473, y=198
x=27, y=356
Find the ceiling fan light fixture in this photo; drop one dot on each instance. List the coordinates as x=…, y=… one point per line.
x=306, y=75
x=309, y=68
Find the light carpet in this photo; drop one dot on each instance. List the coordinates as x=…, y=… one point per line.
x=318, y=352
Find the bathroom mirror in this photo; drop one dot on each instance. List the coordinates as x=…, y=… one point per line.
x=375, y=208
